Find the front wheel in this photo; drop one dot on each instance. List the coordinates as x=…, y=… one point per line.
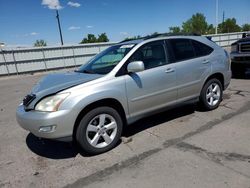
x=211, y=94
x=99, y=130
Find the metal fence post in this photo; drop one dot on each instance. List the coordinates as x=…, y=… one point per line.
x=63, y=57
x=5, y=63
x=44, y=59
x=13, y=55
x=74, y=55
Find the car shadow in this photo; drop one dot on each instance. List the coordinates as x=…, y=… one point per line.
x=50, y=148
x=61, y=150
x=245, y=76
x=160, y=118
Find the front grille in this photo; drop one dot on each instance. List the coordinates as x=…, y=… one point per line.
x=246, y=58
x=245, y=47
x=28, y=99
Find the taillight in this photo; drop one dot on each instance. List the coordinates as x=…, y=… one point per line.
x=228, y=59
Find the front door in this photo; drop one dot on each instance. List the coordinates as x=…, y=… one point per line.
x=155, y=87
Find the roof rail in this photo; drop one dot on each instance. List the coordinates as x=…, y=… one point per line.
x=131, y=39
x=161, y=35
x=170, y=34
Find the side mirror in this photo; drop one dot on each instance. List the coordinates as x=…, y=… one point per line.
x=136, y=66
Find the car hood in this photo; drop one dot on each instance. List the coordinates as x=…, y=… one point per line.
x=247, y=39
x=54, y=83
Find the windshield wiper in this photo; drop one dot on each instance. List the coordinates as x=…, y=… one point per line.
x=88, y=71
x=85, y=71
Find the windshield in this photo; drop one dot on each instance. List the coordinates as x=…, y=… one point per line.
x=104, y=62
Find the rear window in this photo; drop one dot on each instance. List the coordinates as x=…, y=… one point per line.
x=201, y=49
x=182, y=49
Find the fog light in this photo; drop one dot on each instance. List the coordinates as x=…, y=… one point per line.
x=47, y=129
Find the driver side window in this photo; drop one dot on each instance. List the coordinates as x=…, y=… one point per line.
x=152, y=55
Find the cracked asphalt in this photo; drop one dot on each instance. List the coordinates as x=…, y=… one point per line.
x=182, y=147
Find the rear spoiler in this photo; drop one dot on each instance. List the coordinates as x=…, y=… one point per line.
x=209, y=38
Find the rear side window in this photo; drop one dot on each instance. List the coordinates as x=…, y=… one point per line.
x=201, y=49
x=182, y=49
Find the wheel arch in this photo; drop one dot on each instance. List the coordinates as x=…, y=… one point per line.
x=109, y=102
x=218, y=76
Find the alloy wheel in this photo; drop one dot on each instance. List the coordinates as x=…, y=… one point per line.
x=213, y=94
x=101, y=130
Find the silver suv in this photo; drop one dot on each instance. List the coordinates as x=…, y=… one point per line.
x=122, y=84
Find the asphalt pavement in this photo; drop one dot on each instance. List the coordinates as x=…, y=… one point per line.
x=182, y=147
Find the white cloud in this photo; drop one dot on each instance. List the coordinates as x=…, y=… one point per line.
x=123, y=33
x=34, y=33
x=89, y=26
x=52, y=4
x=74, y=4
x=74, y=28
x=28, y=34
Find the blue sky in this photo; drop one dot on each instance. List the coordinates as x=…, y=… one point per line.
x=24, y=21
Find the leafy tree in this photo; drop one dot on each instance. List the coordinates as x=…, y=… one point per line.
x=40, y=43
x=196, y=24
x=229, y=25
x=175, y=29
x=133, y=38
x=154, y=33
x=91, y=38
x=103, y=38
x=246, y=27
x=210, y=29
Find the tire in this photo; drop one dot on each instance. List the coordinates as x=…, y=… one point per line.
x=99, y=130
x=211, y=97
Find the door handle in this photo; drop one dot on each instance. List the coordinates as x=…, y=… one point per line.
x=169, y=70
x=205, y=61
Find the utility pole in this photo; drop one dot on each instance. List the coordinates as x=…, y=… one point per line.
x=59, y=26
x=223, y=18
x=216, y=17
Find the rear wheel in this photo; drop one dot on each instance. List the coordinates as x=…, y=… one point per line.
x=211, y=94
x=99, y=130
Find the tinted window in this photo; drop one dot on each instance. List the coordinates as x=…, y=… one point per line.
x=201, y=49
x=152, y=55
x=105, y=61
x=182, y=49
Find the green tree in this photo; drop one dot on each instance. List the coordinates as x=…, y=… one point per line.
x=133, y=38
x=174, y=30
x=102, y=38
x=246, y=27
x=210, y=29
x=91, y=38
x=196, y=24
x=154, y=33
x=229, y=25
x=40, y=43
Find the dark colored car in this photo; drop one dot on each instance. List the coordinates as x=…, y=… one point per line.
x=240, y=55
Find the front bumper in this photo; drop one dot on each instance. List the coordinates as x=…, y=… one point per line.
x=240, y=59
x=61, y=121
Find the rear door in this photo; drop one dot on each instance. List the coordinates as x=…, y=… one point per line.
x=192, y=66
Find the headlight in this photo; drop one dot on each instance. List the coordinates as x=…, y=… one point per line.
x=234, y=48
x=52, y=103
